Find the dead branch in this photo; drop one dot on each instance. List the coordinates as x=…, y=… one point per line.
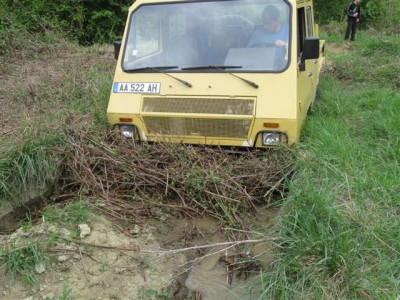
x=214, y=245
x=183, y=178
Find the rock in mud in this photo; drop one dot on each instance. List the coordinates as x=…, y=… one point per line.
x=84, y=229
x=62, y=258
x=39, y=268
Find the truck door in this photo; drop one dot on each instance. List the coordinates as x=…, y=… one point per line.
x=307, y=71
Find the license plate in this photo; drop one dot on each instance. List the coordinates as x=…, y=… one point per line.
x=137, y=87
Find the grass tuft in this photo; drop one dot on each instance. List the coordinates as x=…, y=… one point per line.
x=21, y=261
x=73, y=213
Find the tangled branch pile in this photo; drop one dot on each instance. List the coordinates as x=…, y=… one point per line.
x=194, y=180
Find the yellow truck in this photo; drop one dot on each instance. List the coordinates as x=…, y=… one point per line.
x=239, y=73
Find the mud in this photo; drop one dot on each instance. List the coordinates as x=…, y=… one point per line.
x=101, y=266
x=209, y=275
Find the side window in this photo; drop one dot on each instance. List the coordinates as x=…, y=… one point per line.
x=310, y=26
x=301, y=30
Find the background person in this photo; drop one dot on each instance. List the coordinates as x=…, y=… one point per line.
x=353, y=17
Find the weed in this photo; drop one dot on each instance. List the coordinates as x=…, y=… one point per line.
x=66, y=294
x=53, y=239
x=145, y=262
x=152, y=294
x=104, y=267
x=72, y=214
x=31, y=164
x=28, y=224
x=21, y=261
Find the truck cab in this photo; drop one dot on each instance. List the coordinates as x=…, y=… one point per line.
x=240, y=73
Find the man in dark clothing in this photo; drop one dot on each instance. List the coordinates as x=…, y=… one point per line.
x=353, y=17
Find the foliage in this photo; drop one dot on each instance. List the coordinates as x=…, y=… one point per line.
x=100, y=21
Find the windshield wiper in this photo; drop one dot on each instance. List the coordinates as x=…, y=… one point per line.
x=157, y=68
x=211, y=67
x=161, y=69
x=223, y=68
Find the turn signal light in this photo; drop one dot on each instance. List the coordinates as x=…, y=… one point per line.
x=271, y=125
x=125, y=120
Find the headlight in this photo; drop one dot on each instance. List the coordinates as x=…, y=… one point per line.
x=127, y=131
x=273, y=138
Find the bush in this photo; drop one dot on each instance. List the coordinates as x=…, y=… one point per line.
x=96, y=21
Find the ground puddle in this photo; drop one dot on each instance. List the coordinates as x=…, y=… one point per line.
x=213, y=278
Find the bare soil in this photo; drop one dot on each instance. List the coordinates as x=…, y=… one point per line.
x=100, y=266
x=157, y=259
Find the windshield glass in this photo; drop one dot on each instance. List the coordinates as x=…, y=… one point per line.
x=252, y=35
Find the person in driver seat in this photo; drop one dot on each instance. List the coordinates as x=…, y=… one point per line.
x=272, y=32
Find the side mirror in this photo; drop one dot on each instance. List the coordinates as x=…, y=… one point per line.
x=117, y=48
x=310, y=51
x=311, y=48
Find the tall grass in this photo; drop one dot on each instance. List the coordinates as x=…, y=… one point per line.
x=28, y=167
x=339, y=228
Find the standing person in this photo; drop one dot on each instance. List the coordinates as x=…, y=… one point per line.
x=353, y=17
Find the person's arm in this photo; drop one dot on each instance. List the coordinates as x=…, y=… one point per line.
x=283, y=39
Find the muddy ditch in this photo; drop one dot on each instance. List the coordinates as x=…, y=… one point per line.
x=160, y=258
x=170, y=222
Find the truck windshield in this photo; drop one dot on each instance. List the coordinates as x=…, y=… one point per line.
x=252, y=34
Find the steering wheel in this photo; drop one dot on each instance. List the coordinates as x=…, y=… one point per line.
x=263, y=45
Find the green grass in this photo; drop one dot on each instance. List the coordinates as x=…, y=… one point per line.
x=151, y=294
x=72, y=214
x=30, y=164
x=66, y=294
x=372, y=58
x=339, y=228
x=21, y=261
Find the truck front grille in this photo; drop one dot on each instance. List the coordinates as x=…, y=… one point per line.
x=203, y=117
x=222, y=106
x=226, y=128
